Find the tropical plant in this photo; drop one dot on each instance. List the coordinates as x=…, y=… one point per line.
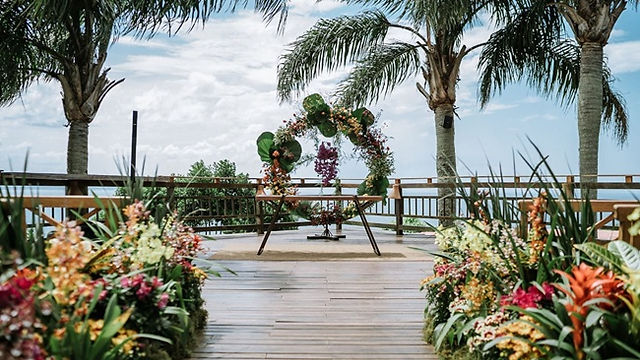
x=15, y=236
x=436, y=26
x=535, y=43
x=68, y=42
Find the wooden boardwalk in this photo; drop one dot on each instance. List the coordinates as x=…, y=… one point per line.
x=316, y=310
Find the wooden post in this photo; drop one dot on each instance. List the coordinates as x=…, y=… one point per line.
x=259, y=213
x=524, y=218
x=399, y=209
x=569, y=187
x=170, y=193
x=134, y=143
x=339, y=192
x=628, y=178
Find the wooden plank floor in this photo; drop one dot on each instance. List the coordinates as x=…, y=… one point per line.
x=316, y=310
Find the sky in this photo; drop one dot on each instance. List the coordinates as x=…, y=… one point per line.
x=209, y=93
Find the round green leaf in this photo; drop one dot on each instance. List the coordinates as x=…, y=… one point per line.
x=327, y=129
x=364, y=116
x=312, y=102
x=287, y=165
x=265, y=143
x=295, y=148
x=319, y=114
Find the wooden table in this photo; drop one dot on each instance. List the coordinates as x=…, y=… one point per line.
x=367, y=199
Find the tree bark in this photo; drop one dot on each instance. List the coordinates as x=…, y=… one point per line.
x=589, y=113
x=78, y=153
x=445, y=164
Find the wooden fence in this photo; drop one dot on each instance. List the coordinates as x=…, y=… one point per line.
x=417, y=196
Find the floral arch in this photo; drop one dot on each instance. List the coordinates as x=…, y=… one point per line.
x=281, y=152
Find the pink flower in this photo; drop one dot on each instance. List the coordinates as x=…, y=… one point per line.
x=530, y=298
x=137, y=280
x=143, y=291
x=164, y=299
x=125, y=282
x=155, y=282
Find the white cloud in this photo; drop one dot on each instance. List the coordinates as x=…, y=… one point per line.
x=624, y=57
x=208, y=94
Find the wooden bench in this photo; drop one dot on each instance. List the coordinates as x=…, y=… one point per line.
x=618, y=209
x=38, y=204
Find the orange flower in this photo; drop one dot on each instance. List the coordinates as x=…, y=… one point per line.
x=538, y=235
x=587, y=283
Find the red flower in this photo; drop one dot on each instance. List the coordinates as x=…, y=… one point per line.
x=530, y=298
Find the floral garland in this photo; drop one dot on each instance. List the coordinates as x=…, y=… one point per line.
x=280, y=152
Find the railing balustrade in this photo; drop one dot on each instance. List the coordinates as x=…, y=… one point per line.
x=417, y=196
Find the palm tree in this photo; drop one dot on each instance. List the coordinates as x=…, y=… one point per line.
x=435, y=53
x=535, y=43
x=68, y=41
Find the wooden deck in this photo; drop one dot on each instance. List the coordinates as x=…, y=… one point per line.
x=316, y=310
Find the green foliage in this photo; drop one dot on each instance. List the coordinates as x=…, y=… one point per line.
x=265, y=146
x=77, y=343
x=54, y=39
x=379, y=72
x=618, y=256
x=27, y=242
x=533, y=43
x=328, y=45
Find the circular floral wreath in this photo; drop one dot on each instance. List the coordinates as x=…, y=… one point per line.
x=281, y=152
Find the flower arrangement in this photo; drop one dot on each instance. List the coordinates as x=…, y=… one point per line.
x=281, y=151
x=552, y=294
x=326, y=164
x=132, y=294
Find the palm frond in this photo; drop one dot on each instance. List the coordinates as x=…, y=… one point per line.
x=615, y=117
x=385, y=67
x=21, y=63
x=550, y=66
x=146, y=17
x=524, y=46
x=328, y=45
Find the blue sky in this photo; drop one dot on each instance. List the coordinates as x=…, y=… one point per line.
x=208, y=94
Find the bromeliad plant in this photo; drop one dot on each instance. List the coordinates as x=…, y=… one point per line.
x=548, y=292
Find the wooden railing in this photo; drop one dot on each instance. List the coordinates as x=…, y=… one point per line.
x=617, y=210
x=417, y=196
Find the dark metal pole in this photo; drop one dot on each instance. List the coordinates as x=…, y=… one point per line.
x=134, y=140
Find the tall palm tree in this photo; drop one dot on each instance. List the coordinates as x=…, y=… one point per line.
x=68, y=41
x=536, y=43
x=435, y=53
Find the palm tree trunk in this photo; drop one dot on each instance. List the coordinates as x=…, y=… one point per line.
x=589, y=113
x=78, y=154
x=445, y=164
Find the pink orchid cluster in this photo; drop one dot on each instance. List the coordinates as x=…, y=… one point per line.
x=530, y=298
x=326, y=164
x=144, y=288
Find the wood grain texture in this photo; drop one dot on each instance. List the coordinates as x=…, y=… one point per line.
x=316, y=310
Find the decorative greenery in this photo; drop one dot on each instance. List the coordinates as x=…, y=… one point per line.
x=130, y=291
x=281, y=151
x=551, y=294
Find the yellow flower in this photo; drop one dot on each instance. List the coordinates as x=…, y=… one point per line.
x=477, y=293
x=199, y=273
x=521, y=349
x=94, y=327
x=125, y=335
